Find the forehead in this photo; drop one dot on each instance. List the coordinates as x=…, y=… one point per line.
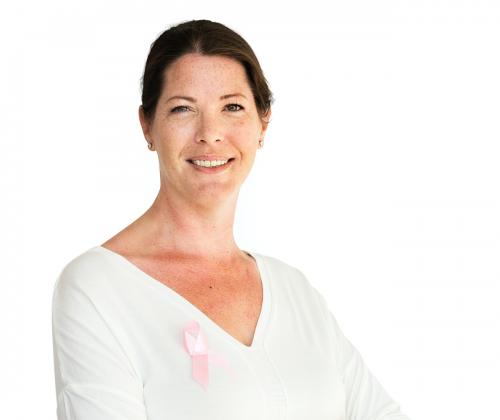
x=197, y=74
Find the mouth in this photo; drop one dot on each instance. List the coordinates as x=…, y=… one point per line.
x=228, y=160
x=212, y=169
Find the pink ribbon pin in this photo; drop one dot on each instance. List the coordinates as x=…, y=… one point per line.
x=196, y=345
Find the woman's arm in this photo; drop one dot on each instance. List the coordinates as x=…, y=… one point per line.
x=366, y=399
x=94, y=378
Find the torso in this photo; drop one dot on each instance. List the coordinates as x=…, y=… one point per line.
x=229, y=296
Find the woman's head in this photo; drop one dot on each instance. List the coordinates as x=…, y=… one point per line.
x=203, y=37
x=204, y=98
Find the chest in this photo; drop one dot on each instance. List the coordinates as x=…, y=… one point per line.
x=232, y=298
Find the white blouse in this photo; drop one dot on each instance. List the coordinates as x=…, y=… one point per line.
x=127, y=347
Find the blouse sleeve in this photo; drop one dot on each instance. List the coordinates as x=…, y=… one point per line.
x=94, y=377
x=366, y=399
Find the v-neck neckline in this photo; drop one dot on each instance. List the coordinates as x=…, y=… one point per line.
x=162, y=288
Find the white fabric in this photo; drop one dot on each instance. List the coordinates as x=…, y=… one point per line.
x=119, y=354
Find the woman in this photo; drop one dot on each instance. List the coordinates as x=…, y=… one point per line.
x=169, y=319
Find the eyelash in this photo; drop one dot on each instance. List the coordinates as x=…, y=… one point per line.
x=174, y=110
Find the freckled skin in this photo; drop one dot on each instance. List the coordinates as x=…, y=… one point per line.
x=193, y=214
x=207, y=126
x=185, y=239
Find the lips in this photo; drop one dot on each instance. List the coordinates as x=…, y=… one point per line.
x=212, y=169
x=210, y=157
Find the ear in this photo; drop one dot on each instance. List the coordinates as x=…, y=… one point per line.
x=265, y=122
x=144, y=124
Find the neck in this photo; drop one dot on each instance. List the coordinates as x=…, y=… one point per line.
x=202, y=230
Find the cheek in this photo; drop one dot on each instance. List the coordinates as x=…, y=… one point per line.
x=240, y=132
x=244, y=134
x=172, y=132
x=174, y=137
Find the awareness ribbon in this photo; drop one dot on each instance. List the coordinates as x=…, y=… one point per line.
x=196, y=345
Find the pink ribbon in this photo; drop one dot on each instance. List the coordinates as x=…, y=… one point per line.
x=196, y=345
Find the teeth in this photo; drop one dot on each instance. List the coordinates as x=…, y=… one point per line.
x=209, y=163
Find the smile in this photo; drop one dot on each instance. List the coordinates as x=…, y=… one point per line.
x=211, y=166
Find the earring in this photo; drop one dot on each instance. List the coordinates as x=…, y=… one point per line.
x=150, y=145
x=260, y=143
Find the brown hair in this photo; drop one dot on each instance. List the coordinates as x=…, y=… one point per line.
x=203, y=37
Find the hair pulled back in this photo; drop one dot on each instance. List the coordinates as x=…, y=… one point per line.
x=203, y=37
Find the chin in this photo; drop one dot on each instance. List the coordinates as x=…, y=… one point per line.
x=216, y=190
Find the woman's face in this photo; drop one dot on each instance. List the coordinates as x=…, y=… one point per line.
x=207, y=124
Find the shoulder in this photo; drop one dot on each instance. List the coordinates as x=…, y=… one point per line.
x=278, y=267
x=291, y=287
x=290, y=278
x=86, y=271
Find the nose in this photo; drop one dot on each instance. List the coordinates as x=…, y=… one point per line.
x=209, y=129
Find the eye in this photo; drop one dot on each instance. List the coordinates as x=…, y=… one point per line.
x=175, y=110
x=178, y=109
x=231, y=105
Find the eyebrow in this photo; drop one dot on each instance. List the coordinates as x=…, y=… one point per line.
x=190, y=99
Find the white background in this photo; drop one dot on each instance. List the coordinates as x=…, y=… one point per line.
x=379, y=177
